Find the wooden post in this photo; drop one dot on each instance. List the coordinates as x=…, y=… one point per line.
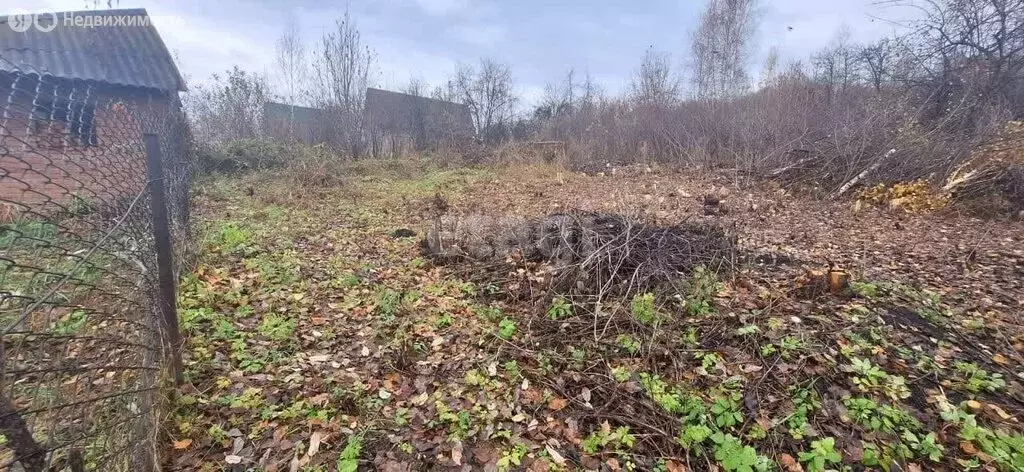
x=166, y=296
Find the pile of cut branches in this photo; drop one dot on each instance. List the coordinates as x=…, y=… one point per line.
x=588, y=252
x=995, y=170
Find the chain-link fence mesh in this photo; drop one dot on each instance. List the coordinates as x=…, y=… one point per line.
x=82, y=357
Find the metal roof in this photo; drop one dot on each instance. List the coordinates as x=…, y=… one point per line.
x=128, y=53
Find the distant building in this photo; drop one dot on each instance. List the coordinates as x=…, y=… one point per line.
x=72, y=96
x=400, y=122
x=294, y=123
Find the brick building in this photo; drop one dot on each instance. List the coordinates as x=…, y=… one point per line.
x=76, y=97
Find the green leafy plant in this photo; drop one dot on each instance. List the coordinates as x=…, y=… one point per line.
x=643, y=309
x=277, y=327
x=621, y=373
x=869, y=376
x=689, y=407
x=230, y=238
x=926, y=446
x=401, y=416
x=805, y=401
x=823, y=452
x=507, y=328
x=629, y=343
x=864, y=289
x=747, y=330
x=560, y=308
x=445, y=321
x=512, y=458
x=512, y=369
x=599, y=440
x=1006, y=449
x=734, y=456
x=709, y=361
x=694, y=434
x=704, y=286
x=690, y=338
x=726, y=409
x=976, y=379
x=70, y=323
x=388, y=302
x=348, y=460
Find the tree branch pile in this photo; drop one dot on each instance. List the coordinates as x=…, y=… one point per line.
x=996, y=169
x=589, y=252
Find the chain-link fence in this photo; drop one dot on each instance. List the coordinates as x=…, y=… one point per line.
x=90, y=231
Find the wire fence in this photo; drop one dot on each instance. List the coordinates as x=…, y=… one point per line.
x=94, y=228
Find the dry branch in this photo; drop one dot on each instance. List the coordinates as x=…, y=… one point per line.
x=589, y=252
x=866, y=172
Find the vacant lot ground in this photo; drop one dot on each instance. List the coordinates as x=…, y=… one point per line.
x=318, y=340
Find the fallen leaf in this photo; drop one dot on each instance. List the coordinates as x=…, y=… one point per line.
x=999, y=411
x=968, y=447
x=673, y=466
x=314, y=443
x=558, y=404
x=555, y=455
x=233, y=459
x=790, y=464
x=420, y=399
x=1000, y=359
x=183, y=444
x=457, y=453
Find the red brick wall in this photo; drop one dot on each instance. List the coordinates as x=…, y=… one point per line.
x=45, y=166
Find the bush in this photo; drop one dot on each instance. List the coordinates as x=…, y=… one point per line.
x=243, y=155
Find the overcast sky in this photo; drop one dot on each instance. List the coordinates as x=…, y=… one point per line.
x=540, y=39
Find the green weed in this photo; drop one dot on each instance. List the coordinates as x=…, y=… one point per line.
x=822, y=454
x=560, y=308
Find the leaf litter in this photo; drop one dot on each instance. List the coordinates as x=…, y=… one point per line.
x=317, y=341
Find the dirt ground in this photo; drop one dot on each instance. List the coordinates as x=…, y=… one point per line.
x=318, y=340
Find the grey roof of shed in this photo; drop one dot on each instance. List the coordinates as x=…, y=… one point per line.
x=131, y=55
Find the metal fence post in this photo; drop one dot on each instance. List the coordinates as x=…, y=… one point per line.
x=166, y=296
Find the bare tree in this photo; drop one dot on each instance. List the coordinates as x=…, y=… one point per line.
x=876, y=59
x=979, y=44
x=770, y=69
x=445, y=91
x=229, y=108
x=837, y=66
x=343, y=69
x=559, y=98
x=721, y=46
x=489, y=94
x=416, y=87
x=291, y=61
x=654, y=82
x=292, y=68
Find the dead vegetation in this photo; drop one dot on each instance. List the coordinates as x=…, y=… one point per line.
x=810, y=335
x=588, y=252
